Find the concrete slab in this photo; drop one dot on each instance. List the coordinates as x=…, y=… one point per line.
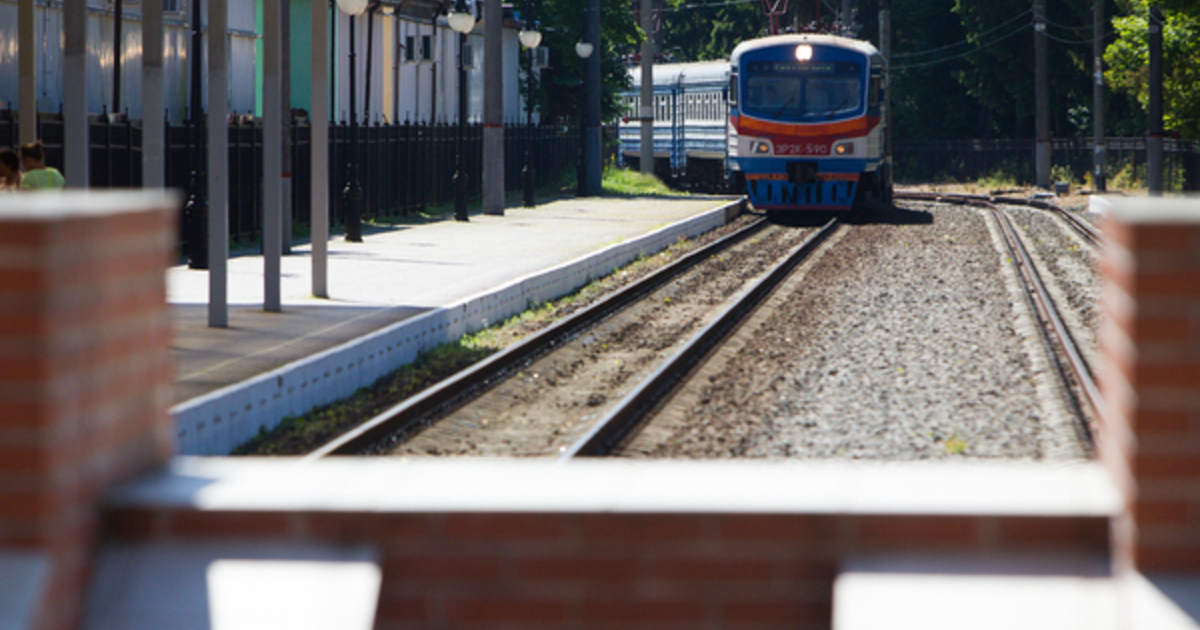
x=349, y=484
x=231, y=585
x=394, y=274
x=23, y=578
x=982, y=592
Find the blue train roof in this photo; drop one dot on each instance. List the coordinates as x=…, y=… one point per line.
x=668, y=75
x=808, y=38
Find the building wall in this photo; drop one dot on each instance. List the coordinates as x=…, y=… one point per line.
x=424, y=90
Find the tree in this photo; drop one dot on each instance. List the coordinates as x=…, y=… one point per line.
x=1128, y=60
x=563, y=21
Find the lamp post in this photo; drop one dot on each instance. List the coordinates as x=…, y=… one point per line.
x=461, y=20
x=530, y=38
x=584, y=50
x=352, y=194
x=196, y=210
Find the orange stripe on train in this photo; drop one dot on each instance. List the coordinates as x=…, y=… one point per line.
x=860, y=126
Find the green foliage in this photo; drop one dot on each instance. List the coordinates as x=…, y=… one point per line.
x=626, y=183
x=1061, y=173
x=1128, y=58
x=999, y=180
x=560, y=97
x=296, y=436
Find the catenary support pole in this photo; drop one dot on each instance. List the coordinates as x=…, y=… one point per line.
x=593, y=164
x=118, y=49
x=646, y=111
x=846, y=13
x=1100, y=173
x=1041, y=96
x=1154, y=113
x=885, y=48
x=319, y=143
x=493, y=107
x=27, y=72
x=153, y=145
x=285, y=105
x=272, y=173
x=218, y=164
x=75, y=114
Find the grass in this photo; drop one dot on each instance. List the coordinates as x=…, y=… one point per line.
x=621, y=182
x=300, y=435
x=955, y=445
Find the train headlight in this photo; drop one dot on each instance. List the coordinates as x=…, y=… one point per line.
x=845, y=148
x=804, y=52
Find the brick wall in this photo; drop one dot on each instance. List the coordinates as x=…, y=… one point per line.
x=1150, y=339
x=85, y=373
x=617, y=570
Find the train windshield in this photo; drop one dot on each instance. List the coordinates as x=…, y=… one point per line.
x=802, y=91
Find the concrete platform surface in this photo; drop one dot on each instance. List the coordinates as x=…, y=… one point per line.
x=394, y=274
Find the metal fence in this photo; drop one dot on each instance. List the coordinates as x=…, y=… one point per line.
x=403, y=168
x=969, y=160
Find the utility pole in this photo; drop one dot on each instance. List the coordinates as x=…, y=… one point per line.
x=493, y=108
x=27, y=72
x=1041, y=96
x=118, y=12
x=845, y=13
x=593, y=162
x=285, y=76
x=1100, y=174
x=1154, y=120
x=885, y=49
x=646, y=159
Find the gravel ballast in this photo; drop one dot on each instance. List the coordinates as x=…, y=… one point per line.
x=904, y=339
x=542, y=409
x=1067, y=264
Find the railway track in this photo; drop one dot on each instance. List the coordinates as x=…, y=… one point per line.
x=1073, y=368
x=451, y=410
x=394, y=427
x=619, y=421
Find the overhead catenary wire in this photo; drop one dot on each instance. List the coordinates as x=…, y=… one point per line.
x=924, y=64
x=709, y=5
x=1080, y=42
x=965, y=41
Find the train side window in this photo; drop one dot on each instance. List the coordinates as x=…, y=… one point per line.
x=876, y=90
x=733, y=91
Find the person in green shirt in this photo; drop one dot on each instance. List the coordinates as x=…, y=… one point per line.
x=37, y=175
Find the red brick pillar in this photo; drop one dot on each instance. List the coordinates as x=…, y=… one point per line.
x=85, y=373
x=1150, y=341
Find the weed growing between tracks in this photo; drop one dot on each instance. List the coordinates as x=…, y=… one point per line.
x=301, y=435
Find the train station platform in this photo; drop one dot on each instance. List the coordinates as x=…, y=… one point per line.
x=397, y=274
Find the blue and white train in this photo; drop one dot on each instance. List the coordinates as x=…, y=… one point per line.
x=797, y=122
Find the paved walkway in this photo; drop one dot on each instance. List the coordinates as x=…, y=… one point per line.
x=394, y=274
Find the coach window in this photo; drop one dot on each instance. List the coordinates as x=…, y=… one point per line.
x=874, y=94
x=733, y=87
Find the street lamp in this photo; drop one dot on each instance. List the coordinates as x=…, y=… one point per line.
x=196, y=210
x=530, y=38
x=352, y=194
x=461, y=20
x=584, y=50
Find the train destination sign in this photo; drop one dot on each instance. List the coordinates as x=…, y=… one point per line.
x=803, y=67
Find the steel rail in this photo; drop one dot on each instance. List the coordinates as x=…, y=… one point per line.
x=1048, y=312
x=1083, y=228
x=448, y=393
x=1036, y=291
x=610, y=430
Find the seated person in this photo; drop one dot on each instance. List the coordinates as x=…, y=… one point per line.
x=38, y=176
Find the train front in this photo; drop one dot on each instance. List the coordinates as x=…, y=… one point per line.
x=804, y=125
